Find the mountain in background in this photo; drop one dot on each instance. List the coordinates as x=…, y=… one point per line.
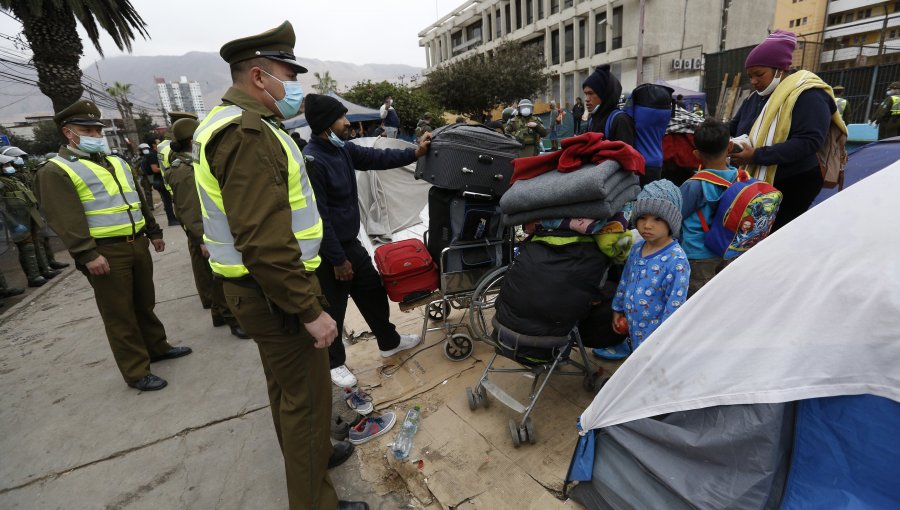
x=207, y=69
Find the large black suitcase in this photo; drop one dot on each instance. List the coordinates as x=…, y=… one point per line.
x=466, y=224
x=469, y=157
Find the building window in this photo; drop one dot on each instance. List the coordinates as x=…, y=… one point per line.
x=508, y=18
x=518, y=13
x=498, y=23
x=582, y=37
x=540, y=9
x=569, y=41
x=805, y=20
x=554, y=47
x=600, y=34
x=473, y=32
x=568, y=3
x=791, y=24
x=554, y=6
x=529, y=11
x=617, y=28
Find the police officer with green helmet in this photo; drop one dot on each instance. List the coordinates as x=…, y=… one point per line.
x=262, y=230
x=92, y=202
x=527, y=128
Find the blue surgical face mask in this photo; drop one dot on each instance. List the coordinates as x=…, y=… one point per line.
x=525, y=112
x=289, y=105
x=91, y=144
x=9, y=170
x=335, y=140
x=19, y=161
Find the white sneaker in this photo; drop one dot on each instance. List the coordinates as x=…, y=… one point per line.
x=341, y=376
x=406, y=342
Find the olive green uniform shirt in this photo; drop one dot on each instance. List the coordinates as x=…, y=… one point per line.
x=64, y=211
x=249, y=162
x=180, y=177
x=528, y=137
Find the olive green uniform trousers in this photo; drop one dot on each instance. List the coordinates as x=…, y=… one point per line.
x=299, y=385
x=126, y=298
x=209, y=289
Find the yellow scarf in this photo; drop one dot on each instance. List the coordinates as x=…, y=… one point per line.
x=773, y=124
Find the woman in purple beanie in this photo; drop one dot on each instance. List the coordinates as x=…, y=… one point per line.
x=787, y=119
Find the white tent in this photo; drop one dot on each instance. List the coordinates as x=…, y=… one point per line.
x=812, y=311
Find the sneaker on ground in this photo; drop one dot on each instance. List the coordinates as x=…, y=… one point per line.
x=358, y=401
x=341, y=376
x=406, y=342
x=614, y=353
x=372, y=427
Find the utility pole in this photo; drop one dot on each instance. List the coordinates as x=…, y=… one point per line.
x=640, y=48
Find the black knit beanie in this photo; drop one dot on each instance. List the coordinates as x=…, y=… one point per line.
x=322, y=111
x=598, y=80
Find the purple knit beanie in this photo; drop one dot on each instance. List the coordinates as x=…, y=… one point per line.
x=776, y=51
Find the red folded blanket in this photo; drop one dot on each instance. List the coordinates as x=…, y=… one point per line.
x=576, y=152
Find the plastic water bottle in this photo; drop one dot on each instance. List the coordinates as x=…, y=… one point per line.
x=403, y=443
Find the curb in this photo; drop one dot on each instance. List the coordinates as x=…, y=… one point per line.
x=34, y=295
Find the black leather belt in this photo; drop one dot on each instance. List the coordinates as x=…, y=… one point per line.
x=120, y=239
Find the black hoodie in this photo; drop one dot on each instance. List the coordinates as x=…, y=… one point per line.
x=622, y=128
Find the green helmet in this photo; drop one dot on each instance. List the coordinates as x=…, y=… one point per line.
x=507, y=113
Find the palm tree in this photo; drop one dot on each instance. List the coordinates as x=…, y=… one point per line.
x=325, y=83
x=119, y=91
x=50, y=28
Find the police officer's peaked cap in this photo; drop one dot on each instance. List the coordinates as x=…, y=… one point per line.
x=176, y=116
x=83, y=113
x=276, y=44
x=183, y=129
x=895, y=85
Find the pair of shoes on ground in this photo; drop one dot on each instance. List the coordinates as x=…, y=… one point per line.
x=614, y=353
x=340, y=428
x=371, y=427
x=358, y=400
x=152, y=382
x=341, y=375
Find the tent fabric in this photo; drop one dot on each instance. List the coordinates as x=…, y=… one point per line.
x=845, y=454
x=690, y=96
x=864, y=162
x=389, y=200
x=809, y=312
x=635, y=461
x=355, y=113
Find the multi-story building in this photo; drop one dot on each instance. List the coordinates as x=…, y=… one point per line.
x=806, y=18
x=860, y=33
x=182, y=96
x=577, y=35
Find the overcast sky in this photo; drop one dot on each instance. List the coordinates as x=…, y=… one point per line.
x=356, y=31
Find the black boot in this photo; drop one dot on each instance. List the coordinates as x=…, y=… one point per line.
x=51, y=258
x=5, y=291
x=29, y=263
x=43, y=264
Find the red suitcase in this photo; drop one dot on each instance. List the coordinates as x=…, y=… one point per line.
x=407, y=270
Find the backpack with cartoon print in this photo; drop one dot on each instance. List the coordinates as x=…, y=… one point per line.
x=744, y=215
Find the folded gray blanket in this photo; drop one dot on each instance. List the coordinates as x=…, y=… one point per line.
x=595, y=209
x=593, y=182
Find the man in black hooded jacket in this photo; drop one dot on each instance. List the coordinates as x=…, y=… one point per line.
x=601, y=97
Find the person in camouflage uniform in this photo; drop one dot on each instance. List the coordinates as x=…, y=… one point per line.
x=20, y=212
x=527, y=128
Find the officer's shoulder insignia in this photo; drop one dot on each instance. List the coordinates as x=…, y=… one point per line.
x=251, y=121
x=195, y=150
x=73, y=158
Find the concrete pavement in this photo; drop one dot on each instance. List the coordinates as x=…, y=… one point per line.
x=75, y=436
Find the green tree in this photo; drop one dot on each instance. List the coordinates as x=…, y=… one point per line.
x=119, y=91
x=482, y=82
x=46, y=138
x=146, y=128
x=411, y=104
x=50, y=28
x=325, y=83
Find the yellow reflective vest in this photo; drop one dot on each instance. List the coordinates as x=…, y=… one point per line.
x=112, y=205
x=224, y=259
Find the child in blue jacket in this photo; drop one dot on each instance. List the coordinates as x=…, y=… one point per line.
x=655, y=279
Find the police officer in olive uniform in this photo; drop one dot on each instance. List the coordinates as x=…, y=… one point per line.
x=20, y=212
x=527, y=128
x=164, y=149
x=179, y=177
x=262, y=230
x=93, y=203
x=888, y=113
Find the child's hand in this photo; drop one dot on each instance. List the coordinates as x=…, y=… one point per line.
x=619, y=323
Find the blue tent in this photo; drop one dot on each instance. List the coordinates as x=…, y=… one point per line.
x=864, y=162
x=355, y=113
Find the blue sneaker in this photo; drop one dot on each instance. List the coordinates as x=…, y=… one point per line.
x=614, y=353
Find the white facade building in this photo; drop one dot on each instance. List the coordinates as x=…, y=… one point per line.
x=183, y=95
x=861, y=32
x=578, y=35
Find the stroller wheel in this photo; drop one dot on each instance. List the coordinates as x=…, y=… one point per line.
x=529, y=431
x=470, y=396
x=438, y=311
x=481, y=395
x=458, y=347
x=514, y=431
